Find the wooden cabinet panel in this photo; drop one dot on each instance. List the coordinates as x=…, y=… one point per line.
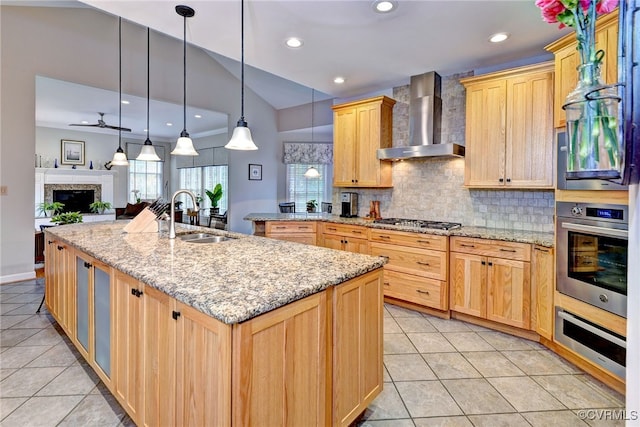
x=345, y=237
x=369, y=138
x=542, y=288
x=494, y=248
x=418, y=290
x=292, y=231
x=416, y=240
x=419, y=262
x=344, y=147
x=290, y=386
x=356, y=380
x=508, y=292
x=346, y=230
x=468, y=284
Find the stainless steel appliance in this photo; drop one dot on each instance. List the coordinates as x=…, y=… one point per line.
x=592, y=241
x=592, y=341
x=349, y=205
x=419, y=223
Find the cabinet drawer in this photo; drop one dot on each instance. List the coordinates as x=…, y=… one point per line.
x=421, y=262
x=418, y=290
x=276, y=227
x=346, y=230
x=417, y=240
x=307, y=239
x=492, y=248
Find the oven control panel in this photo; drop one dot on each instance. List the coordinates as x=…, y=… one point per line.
x=596, y=212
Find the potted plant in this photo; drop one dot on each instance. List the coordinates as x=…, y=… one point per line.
x=312, y=205
x=50, y=208
x=67, y=218
x=99, y=206
x=215, y=197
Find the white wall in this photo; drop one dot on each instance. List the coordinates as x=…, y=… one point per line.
x=633, y=319
x=80, y=45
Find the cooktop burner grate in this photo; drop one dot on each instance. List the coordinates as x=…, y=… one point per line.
x=419, y=223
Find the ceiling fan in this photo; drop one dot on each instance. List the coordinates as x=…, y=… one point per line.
x=101, y=124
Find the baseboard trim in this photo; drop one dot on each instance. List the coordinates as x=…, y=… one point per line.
x=10, y=278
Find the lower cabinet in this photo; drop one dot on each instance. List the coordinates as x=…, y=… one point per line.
x=491, y=279
x=60, y=284
x=292, y=231
x=351, y=238
x=542, y=287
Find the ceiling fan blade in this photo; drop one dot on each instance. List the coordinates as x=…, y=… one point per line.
x=116, y=128
x=77, y=124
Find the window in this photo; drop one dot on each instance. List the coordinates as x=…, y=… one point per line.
x=146, y=178
x=301, y=189
x=201, y=179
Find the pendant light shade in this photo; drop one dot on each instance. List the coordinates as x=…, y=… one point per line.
x=312, y=173
x=241, y=137
x=184, y=145
x=119, y=158
x=148, y=153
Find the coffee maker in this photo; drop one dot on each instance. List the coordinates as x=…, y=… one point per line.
x=349, y=205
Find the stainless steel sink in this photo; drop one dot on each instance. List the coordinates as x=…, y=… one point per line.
x=203, y=238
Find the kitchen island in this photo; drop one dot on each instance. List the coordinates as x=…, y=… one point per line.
x=248, y=331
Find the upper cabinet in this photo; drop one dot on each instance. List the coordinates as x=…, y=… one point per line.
x=509, y=129
x=360, y=128
x=567, y=61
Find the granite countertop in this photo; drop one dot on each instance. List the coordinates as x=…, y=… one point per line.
x=520, y=236
x=232, y=281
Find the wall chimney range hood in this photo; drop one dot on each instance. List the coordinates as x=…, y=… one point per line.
x=425, y=116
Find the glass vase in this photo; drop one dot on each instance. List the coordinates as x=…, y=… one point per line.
x=593, y=149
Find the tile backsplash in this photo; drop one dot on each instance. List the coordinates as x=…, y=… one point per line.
x=433, y=189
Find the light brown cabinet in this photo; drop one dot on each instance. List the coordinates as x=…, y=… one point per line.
x=292, y=231
x=59, y=284
x=509, y=129
x=542, y=288
x=360, y=128
x=417, y=268
x=491, y=279
x=567, y=61
x=351, y=238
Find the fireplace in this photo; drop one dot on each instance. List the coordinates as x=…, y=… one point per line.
x=74, y=200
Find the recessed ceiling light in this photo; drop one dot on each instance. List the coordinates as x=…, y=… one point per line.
x=339, y=80
x=384, y=6
x=145, y=130
x=125, y=102
x=498, y=37
x=293, y=42
x=84, y=122
x=169, y=124
x=198, y=116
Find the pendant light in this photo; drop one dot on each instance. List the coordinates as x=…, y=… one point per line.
x=312, y=172
x=184, y=145
x=119, y=158
x=241, y=138
x=148, y=153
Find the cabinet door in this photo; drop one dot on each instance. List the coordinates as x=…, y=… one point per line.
x=204, y=370
x=289, y=387
x=508, y=292
x=542, y=286
x=344, y=147
x=368, y=135
x=485, y=134
x=52, y=270
x=83, y=271
x=159, y=358
x=101, y=323
x=357, y=350
x=566, y=77
x=128, y=342
x=359, y=246
x=332, y=241
x=529, y=148
x=468, y=284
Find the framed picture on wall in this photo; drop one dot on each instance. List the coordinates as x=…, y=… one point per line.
x=72, y=152
x=255, y=172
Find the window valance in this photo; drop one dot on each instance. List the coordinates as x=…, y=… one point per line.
x=308, y=152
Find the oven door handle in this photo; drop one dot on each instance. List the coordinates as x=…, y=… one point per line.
x=570, y=318
x=610, y=232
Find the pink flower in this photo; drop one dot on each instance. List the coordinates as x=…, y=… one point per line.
x=550, y=9
x=606, y=6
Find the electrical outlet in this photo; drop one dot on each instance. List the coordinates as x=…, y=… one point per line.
x=3, y=190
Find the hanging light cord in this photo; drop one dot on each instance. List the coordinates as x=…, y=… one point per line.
x=148, y=91
x=242, y=61
x=120, y=83
x=313, y=92
x=184, y=78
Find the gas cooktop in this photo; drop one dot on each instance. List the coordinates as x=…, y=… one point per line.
x=419, y=223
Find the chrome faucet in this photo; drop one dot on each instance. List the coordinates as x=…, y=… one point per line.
x=172, y=225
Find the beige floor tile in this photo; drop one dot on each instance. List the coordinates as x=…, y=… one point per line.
x=492, y=364
x=467, y=341
x=397, y=311
x=610, y=417
x=408, y=367
x=387, y=406
x=42, y=411
x=30, y=309
x=35, y=321
x=12, y=337
x=554, y=419
x=407, y=422
x=397, y=344
x=27, y=381
x=477, y=396
x=23, y=298
x=427, y=399
x=7, y=308
x=450, y=366
x=93, y=410
x=499, y=420
x=9, y=404
x=48, y=336
x=536, y=362
x=74, y=380
x=448, y=325
x=5, y=372
x=17, y=357
x=574, y=392
x=7, y=321
x=524, y=394
x=443, y=422
x=619, y=398
x=58, y=355
x=431, y=343
x=391, y=326
x=501, y=341
x=415, y=324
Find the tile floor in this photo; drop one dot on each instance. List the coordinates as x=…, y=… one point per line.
x=437, y=373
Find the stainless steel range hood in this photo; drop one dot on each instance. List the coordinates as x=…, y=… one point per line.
x=425, y=116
